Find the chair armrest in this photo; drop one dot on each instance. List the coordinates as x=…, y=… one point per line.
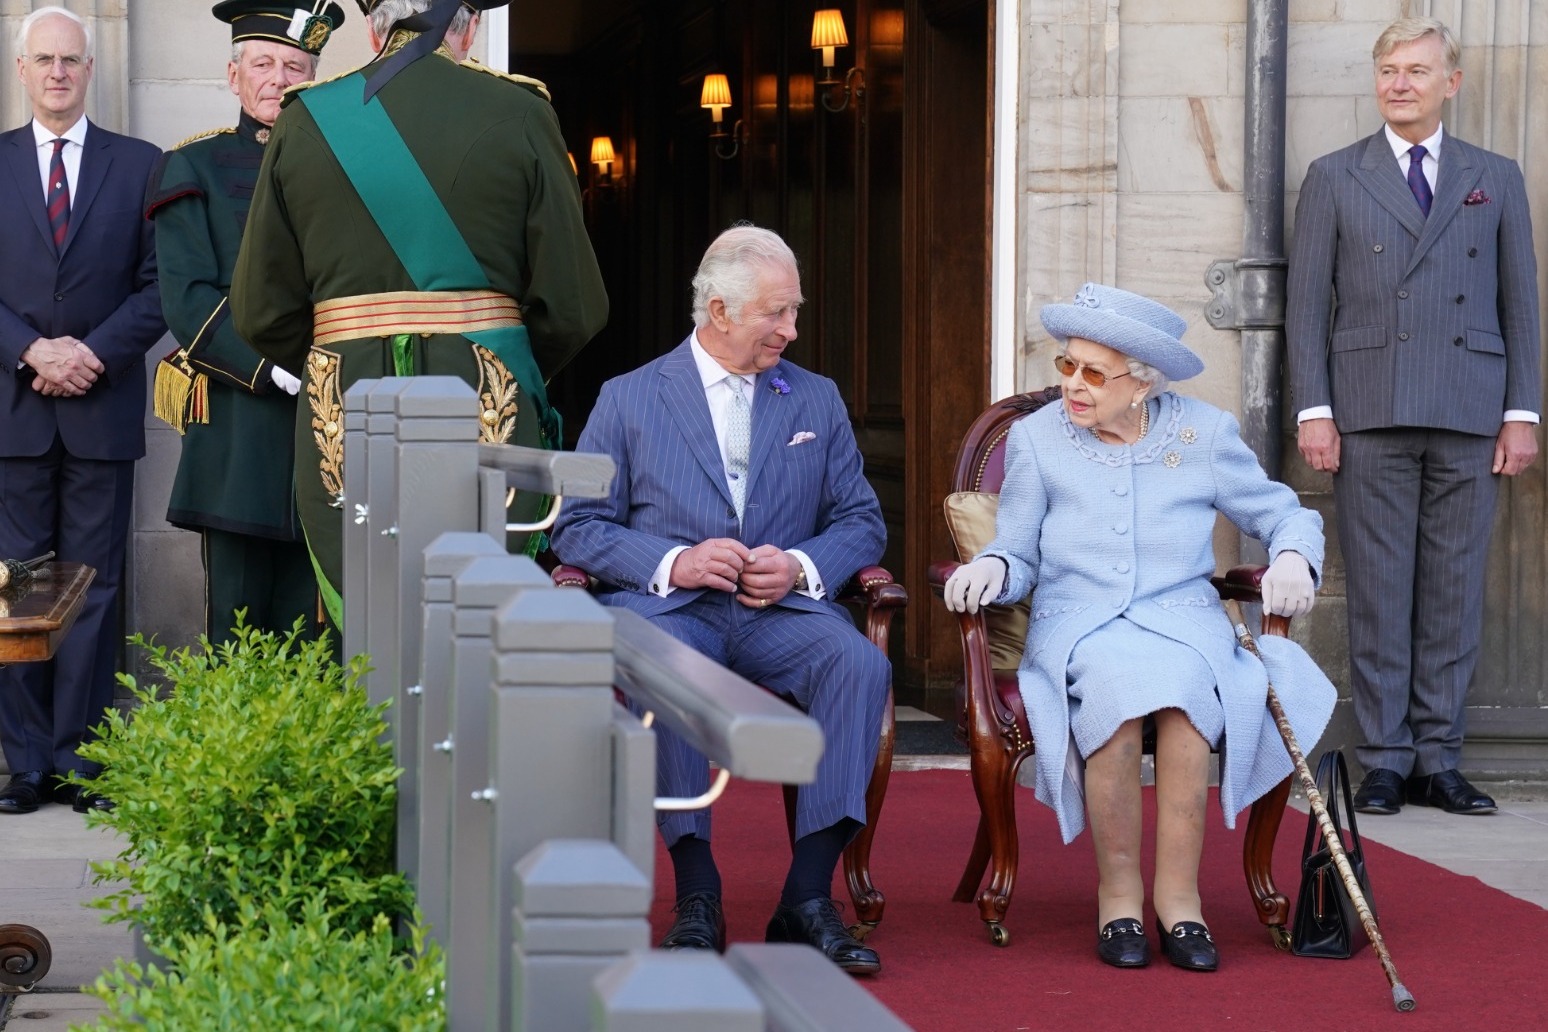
x=570, y=577
x=874, y=588
x=938, y=573
x=1241, y=583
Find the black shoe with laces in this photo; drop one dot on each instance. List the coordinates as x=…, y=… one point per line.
x=700, y=924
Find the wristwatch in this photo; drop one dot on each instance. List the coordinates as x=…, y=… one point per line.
x=800, y=581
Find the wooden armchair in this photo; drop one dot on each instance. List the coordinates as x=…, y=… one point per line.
x=993, y=721
x=877, y=598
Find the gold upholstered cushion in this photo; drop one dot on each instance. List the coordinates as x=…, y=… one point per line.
x=970, y=519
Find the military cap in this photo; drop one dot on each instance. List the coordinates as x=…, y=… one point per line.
x=305, y=28
x=367, y=6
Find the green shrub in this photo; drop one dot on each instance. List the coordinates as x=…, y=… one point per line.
x=273, y=972
x=261, y=776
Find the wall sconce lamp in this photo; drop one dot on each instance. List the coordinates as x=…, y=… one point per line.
x=717, y=97
x=602, y=156
x=827, y=35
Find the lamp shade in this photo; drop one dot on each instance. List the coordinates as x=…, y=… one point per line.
x=601, y=150
x=717, y=92
x=828, y=29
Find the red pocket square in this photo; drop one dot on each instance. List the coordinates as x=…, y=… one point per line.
x=1477, y=197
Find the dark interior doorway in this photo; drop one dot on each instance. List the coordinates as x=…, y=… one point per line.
x=885, y=202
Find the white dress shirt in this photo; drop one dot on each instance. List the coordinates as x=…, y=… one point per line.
x=75, y=143
x=1400, y=148
x=718, y=394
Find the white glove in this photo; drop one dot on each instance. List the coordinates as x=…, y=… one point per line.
x=283, y=380
x=975, y=584
x=1287, y=586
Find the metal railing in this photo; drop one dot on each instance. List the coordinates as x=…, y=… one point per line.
x=526, y=805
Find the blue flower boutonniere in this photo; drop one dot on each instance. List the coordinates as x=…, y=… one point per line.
x=778, y=385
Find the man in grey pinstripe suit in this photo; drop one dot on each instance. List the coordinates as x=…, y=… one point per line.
x=1413, y=352
x=739, y=508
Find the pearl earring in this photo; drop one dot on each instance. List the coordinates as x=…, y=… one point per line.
x=1133, y=405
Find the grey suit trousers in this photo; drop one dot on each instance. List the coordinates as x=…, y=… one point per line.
x=1415, y=511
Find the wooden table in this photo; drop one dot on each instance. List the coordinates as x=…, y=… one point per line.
x=33, y=621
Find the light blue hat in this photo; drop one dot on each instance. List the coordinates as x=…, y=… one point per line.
x=1137, y=326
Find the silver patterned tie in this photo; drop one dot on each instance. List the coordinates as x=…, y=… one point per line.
x=738, y=438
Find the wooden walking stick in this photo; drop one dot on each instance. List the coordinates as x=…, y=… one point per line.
x=1401, y=997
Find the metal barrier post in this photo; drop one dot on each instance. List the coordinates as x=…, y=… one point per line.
x=580, y=906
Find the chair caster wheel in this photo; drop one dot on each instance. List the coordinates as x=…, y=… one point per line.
x=1281, y=936
x=25, y=957
x=998, y=933
x=861, y=929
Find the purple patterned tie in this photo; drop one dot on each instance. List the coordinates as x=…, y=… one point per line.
x=58, y=195
x=1416, y=181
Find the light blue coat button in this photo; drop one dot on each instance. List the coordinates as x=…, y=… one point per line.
x=1122, y=528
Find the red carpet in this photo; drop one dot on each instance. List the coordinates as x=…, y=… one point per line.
x=1472, y=956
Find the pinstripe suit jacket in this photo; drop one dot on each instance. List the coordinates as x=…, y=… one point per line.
x=1397, y=320
x=671, y=487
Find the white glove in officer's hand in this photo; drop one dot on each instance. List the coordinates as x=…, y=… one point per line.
x=1287, y=586
x=283, y=380
x=975, y=584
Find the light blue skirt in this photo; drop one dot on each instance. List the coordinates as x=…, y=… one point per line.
x=1122, y=671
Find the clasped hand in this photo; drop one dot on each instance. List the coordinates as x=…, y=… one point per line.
x=65, y=366
x=975, y=584
x=758, y=576
x=1287, y=586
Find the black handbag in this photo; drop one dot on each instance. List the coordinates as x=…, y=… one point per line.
x=1326, y=923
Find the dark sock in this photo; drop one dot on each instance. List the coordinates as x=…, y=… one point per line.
x=694, y=867
x=812, y=865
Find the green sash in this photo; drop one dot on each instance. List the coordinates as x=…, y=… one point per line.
x=416, y=224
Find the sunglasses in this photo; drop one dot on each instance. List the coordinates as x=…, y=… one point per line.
x=1095, y=377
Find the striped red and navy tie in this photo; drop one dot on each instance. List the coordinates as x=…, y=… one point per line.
x=58, y=195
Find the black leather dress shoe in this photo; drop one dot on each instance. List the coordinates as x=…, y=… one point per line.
x=80, y=798
x=1450, y=791
x=1380, y=792
x=1122, y=943
x=700, y=924
x=24, y=792
x=817, y=923
x=1189, y=946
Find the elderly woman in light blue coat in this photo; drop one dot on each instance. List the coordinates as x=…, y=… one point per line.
x=1107, y=517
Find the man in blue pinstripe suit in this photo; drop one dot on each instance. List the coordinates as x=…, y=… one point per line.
x=1413, y=344
x=739, y=508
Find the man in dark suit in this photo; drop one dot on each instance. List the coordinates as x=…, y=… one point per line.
x=739, y=508
x=1413, y=344
x=78, y=310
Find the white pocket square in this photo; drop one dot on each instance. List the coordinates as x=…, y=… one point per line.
x=801, y=438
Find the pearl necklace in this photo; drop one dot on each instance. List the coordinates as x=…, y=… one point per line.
x=1144, y=421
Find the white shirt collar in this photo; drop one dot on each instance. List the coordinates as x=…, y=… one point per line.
x=1400, y=147
x=76, y=134
x=712, y=372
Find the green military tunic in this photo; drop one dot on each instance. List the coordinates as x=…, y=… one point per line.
x=235, y=477
x=490, y=147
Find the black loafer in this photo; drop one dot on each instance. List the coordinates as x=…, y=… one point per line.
x=1189, y=946
x=817, y=923
x=1380, y=792
x=700, y=924
x=24, y=793
x=1122, y=943
x=1450, y=791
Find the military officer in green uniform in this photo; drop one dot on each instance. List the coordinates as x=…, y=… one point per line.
x=236, y=409
x=417, y=216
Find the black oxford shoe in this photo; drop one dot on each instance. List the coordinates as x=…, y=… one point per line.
x=1450, y=791
x=1380, y=792
x=81, y=798
x=24, y=792
x=817, y=923
x=1122, y=943
x=700, y=924
x=1189, y=946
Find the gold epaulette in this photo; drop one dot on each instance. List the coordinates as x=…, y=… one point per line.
x=521, y=80
x=196, y=137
